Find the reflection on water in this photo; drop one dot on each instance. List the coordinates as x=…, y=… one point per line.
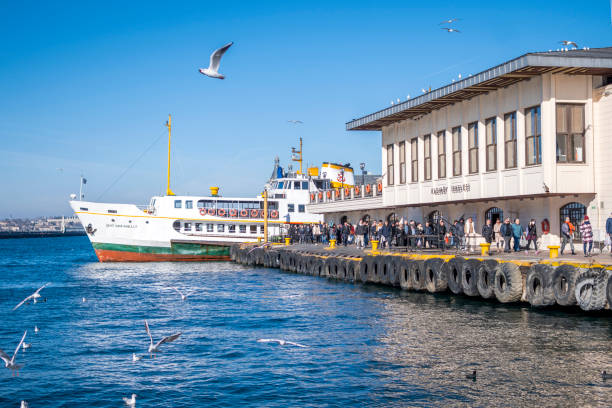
x=368, y=345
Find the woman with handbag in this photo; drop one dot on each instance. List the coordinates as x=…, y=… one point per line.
x=532, y=235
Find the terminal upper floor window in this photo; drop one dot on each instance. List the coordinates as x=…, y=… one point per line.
x=510, y=144
x=570, y=133
x=390, y=165
x=491, y=136
x=533, y=136
x=442, y=154
x=457, y=151
x=414, y=159
x=402, y=162
x=177, y=203
x=473, y=147
x=427, y=156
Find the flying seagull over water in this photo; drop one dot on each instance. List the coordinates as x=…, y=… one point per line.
x=281, y=342
x=130, y=402
x=32, y=297
x=294, y=121
x=215, y=59
x=565, y=42
x=450, y=21
x=450, y=29
x=10, y=362
x=154, y=348
x=183, y=295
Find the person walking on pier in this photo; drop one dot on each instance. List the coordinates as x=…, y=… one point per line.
x=506, y=232
x=499, y=238
x=517, y=233
x=609, y=231
x=567, y=233
x=532, y=235
x=470, y=234
x=385, y=234
x=460, y=231
x=441, y=235
x=586, y=232
x=359, y=234
x=487, y=231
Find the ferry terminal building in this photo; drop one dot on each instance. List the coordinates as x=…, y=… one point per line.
x=529, y=138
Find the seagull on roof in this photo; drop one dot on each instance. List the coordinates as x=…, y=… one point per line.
x=565, y=42
x=450, y=29
x=9, y=362
x=32, y=297
x=154, y=348
x=450, y=21
x=215, y=59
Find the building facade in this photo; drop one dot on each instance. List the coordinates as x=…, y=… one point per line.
x=529, y=138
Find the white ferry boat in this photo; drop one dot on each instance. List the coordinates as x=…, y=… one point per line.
x=199, y=228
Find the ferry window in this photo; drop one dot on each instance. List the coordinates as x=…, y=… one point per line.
x=206, y=204
x=402, y=162
x=457, y=151
x=112, y=211
x=272, y=205
x=301, y=208
x=297, y=185
x=261, y=229
x=473, y=147
x=304, y=185
x=290, y=207
x=427, y=156
x=414, y=158
x=570, y=133
x=243, y=229
x=177, y=203
x=274, y=184
x=510, y=139
x=176, y=225
x=198, y=226
x=84, y=209
x=491, y=135
x=390, y=165
x=253, y=229
x=210, y=228
x=188, y=204
x=533, y=136
x=231, y=229
x=442, y=154
x=280, y=184
x=288, y=185
x=220, y=227
x=187, y=226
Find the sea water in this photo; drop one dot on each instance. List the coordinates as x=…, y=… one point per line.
x=366, y=345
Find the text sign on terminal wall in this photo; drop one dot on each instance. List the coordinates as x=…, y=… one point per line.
x=457, y=188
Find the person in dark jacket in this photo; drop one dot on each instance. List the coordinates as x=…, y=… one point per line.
x=428, y=234
x=487, y=231
x=346, y=231
x=441, y=234
x=609, y=230
x=385, y=234
x=506, y=231
x=532, y=234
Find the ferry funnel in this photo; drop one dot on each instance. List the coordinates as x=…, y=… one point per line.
x=214, y=191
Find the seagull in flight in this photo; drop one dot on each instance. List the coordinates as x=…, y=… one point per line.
x=36, y=329
x=10, y=362
x=450, y=21
x=32, y=297
x=135, y=358
x=183, y=295
x=130, y=402
x=566, y=43
x=295, y=122
x=215, y=59
x=281, y=342
x=450, y=29
x=154, y=348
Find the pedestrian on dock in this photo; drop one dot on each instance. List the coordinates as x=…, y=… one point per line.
x=428, y=235
x=506, y=232
x=487, y=231
x=385, y=234
x=470, y=233
x=517, y=233
x=567, y=233
x=359, y=234
x=609, y=230
x=441, y=235
x=460, y=232
x=532, y=235
x=586, y=232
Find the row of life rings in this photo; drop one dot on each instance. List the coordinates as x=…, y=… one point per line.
x=244, y=213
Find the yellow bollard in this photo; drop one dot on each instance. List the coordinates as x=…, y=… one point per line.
x=484, y=248
x=287, y=241
x=259, y=239
x=553, y=251
x=332, y=243
x=374, y=244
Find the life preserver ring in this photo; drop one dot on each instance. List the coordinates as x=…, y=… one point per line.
x=357, y=190
x=274, y=214
x=347, y=191
x=233, y=212
x=328, y=194
x=211, y=211
x=545, y=226
x=202, y=211
x=262, y=213
x=244, y=213
x=221, y=212
x=312, y=196
x=320, y=195
x=254, y=213
x=337, y=193
x=379, y=187
x=368, y=188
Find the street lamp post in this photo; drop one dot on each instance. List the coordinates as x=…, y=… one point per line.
x=362, y=167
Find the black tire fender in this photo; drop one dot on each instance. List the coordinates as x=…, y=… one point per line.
x=417, y=275
x=590, y=289
x=485, y=278
x=453, y=268
x=508, y=284
x=539, y=286
x=564, y=284
x=404, y=274
x=435, y=278
x=469, y=277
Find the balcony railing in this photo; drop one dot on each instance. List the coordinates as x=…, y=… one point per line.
x=251, y=213
x=357, y=192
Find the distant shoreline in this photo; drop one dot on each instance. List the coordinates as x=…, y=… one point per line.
x=39, y=234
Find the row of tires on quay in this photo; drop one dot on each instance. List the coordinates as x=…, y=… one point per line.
x=540, y=284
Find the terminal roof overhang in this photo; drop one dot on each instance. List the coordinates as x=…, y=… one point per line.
x=596, y=61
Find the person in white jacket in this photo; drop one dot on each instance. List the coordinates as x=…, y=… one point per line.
x=470, y=234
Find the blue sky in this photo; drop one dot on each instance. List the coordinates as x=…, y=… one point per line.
x=86, y=88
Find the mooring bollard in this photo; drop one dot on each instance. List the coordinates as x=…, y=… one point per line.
x=374, y=244
x=287, y=241
x=553, y=251
x=484, y=248
x=259, y=239
x=332, y=243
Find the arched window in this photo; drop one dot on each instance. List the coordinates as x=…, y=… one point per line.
x=366, y=218
x=494, y=214
x=434, y=217
x=343, y=219
x=392, y=218
x=575, y=212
